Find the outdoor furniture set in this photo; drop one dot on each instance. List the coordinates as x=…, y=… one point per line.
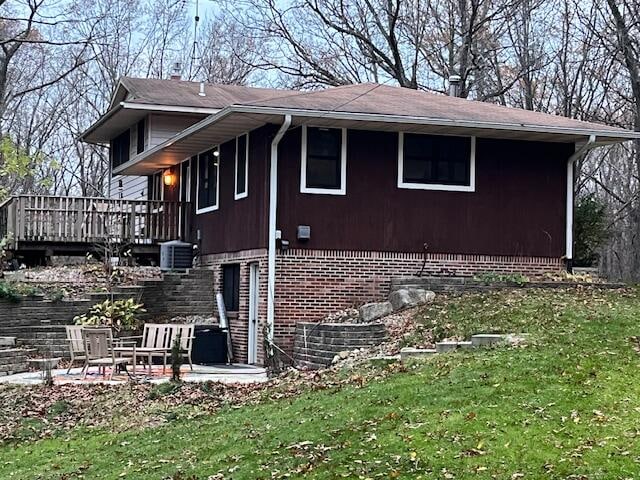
x=97, y=347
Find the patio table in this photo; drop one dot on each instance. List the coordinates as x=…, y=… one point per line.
x=134, y=351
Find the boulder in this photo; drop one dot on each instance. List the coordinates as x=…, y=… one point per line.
x=373, y=311
x=410, y=297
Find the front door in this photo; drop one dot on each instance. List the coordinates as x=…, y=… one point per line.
x=252, y=347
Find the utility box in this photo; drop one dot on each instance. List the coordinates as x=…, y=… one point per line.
x=176, y=255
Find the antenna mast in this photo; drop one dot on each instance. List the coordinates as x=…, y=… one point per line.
x=194, y=50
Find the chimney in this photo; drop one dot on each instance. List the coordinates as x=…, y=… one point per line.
x=454, y=85
x=201, y=92
x=176, y=71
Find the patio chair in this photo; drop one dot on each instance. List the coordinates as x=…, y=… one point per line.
x=157, y=340
x=98, y=347
x=76, y=344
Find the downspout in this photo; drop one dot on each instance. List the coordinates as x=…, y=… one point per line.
x=591, y=143
x=273, y=206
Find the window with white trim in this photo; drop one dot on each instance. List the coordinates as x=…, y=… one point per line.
x=208, y=180
x=324, y=160
x=242, y=166
x=436, y=162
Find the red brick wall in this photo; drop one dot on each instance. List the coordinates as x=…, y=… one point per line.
x=239, y=322
x=311, y=284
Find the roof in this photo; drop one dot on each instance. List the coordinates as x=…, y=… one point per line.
x=151, y=91
x=373, y=98
x=232, y=109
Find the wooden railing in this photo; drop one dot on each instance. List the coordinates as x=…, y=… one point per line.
x=37, y=218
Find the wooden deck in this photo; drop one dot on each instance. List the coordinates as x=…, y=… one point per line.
x=70, y=224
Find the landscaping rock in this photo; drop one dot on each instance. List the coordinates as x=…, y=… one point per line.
x=374, y=311
x=409, y=353
x=410, y=297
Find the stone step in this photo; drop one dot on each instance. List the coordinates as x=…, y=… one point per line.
x=415, y=353
x=7, y=342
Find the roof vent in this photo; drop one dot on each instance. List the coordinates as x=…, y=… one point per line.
x=201, y=92
x=454, y=85
x=176, y=71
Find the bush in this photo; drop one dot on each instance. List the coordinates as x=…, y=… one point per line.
x=494, y=277
x=119, y=315
x=590, y=230
x=9, y=292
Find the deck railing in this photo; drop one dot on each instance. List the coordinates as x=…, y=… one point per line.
x=38, y=218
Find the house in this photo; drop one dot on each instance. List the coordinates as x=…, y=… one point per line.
x=309, y=202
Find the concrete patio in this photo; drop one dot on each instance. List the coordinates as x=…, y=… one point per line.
x=234, y=373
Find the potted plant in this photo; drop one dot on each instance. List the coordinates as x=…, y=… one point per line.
x=123, y=316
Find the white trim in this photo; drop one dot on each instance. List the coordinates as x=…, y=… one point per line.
x=168, y=108
x=245, y=194
x=212, y=208
x=343, y=166
x=618, y=134
x=252, y=334
x=437, y=186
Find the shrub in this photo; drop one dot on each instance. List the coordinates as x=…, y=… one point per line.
x=590, y=221
x=119, y=315
x=9, y=292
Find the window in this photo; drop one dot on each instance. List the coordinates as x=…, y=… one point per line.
x=208, y=176
x=436, y=162
x=119, y=149
x=324, y=160
x=242, y=166
x=155, y=186
x=231, y=287
x=141, y=132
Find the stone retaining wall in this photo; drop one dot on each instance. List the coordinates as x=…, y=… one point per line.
x=316, y=344
x=468, y=284
x=39, y=323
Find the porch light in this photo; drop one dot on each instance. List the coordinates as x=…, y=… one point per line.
x=169, y=178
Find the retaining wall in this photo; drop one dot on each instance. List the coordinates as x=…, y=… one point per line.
x=316, y=344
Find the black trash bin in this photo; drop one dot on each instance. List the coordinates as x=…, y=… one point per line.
x=209, y=345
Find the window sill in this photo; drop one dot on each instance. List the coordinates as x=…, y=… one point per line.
x=323, y=191
x=240, y=196
x=437, y=186
x=200, y=211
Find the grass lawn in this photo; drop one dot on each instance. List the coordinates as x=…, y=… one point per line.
x=566, y=406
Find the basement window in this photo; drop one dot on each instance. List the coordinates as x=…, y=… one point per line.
x=231, y=287
x=242, y=166
x=324, y=160
x=436, y=162
x=208, y=180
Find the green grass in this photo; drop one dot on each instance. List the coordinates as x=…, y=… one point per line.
x=567, y=406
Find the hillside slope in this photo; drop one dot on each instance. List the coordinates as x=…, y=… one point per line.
x=565, y=406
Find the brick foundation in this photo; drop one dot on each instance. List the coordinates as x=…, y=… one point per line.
x=311, y=284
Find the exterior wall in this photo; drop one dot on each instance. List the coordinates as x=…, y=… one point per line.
x=162, y=127
x=310, y=284
x=518, y=207
x=239, y=321
x=237, y=225
x=133, y=187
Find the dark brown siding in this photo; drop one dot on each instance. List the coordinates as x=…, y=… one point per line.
x=237, y=224
x=518, y=207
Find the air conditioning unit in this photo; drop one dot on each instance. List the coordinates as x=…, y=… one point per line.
x=176, y=255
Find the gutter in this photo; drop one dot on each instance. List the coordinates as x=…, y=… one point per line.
x=591, y=144
x=273, y=206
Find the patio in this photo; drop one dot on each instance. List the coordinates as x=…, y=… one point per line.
x=234, y=373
